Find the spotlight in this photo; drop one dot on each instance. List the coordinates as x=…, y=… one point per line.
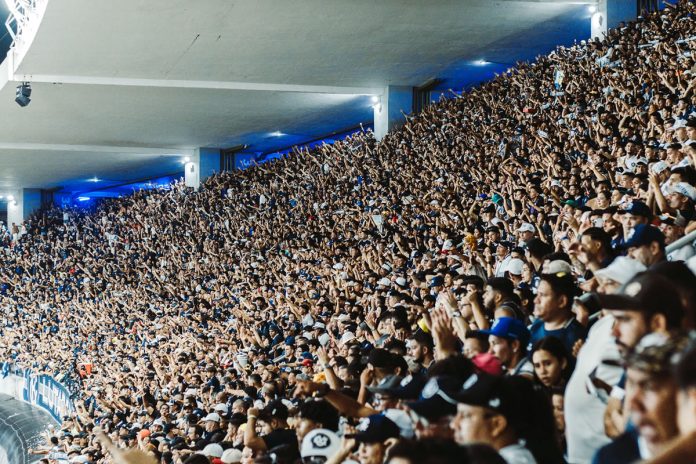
x=592, y=9
x=10, y=197
x=23, y=94
x=375, y=99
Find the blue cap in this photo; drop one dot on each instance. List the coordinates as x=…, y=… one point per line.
x=638, y=208
x=510, y=328
x=644, y=234
x=437, y=281
x=290, y=340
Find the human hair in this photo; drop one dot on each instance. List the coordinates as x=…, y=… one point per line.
x=600, y=235
x=538, y=248
x=562, y=284
x=557, y=349
x=439, y=451
x=532, y=420
x=321, y=412
x=685, y=368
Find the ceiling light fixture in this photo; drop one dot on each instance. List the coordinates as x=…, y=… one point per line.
x=94, y=179
x=277, y=134
x=23, y=94
x=481, y=62
x=592, y=9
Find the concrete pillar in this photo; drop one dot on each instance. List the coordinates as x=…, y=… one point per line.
x=388, y=109
x=24, y=202
x=598, y=25
x=204, y=163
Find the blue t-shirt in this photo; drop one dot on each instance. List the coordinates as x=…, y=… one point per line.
x=571, y=332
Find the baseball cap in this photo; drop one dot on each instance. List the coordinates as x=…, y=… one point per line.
x=659, y=167
x=488, y=363
x=638, y=208
x=685, y=189
x=320, y=443
x=644, y=234
x=647, y=291
x=346, y=337
x=436, y=281
x=526, y=227
x=213, y=450
x=557, y=266
x=432, y=404
x=621, y=270
x=212, y=417
x=386, y=385
x=483, y=390
x=231, y=456
x=409, y=388
x=515, y=266
x=655, y=354
x=377, y=428
x=509, y=328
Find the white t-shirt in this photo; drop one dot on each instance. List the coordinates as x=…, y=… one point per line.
x=517, y=454
x=584, y=412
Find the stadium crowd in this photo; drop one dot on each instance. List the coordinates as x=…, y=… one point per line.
x=488, y=284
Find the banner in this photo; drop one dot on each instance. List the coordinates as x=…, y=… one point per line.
x=42, y=391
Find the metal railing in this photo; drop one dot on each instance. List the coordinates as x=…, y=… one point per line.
x=22, y=12
x=682, y=242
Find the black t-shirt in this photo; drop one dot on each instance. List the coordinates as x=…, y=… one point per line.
x=280, y=437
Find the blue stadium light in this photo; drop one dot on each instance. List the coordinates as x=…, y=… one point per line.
x=277, y=134
x=83, y=198
x=481, y=62
x=94, y=179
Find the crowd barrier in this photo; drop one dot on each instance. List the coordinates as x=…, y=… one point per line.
x=41, y=391
x=686, y=240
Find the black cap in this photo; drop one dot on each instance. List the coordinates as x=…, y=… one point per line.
x=387, y=385
x=646, y=292
x=433, y=403
x=377, y=429
x=409, y=388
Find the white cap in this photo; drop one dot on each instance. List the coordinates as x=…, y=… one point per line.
x=384, y=282
x=685, y=189
x=495, y=221
x=557, y=266
x=324, y=339
x=213, y=417
x=400, y=281
x=515, y=266
x=212, y=450
x=659, y=167
x=621, y=270
x=231, y=456
x=320, y=443
x=344, y=318
x=447, y=245
x=221, y=407
x=346, y=337
x=338, y=266
x=526, y=227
